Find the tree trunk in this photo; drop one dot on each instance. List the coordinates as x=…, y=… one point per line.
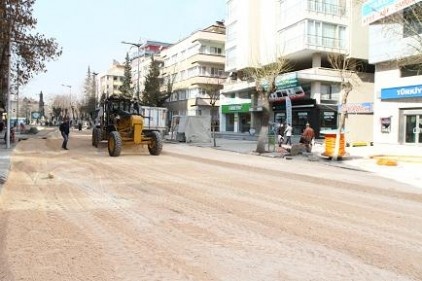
x=341, y=124
x=213, y=108
x=263, y=134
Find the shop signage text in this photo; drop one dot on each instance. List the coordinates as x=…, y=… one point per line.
x=374, y=10
x=233, y=108
x=286, y=81
x=366, y=107
x=402, y=92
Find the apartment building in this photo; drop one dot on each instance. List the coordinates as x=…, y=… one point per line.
x=191, y=66
x=140, y=60
x=395, y=33
x=304, y=32
x=110, y=81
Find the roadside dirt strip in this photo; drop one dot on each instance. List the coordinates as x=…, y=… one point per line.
x=200, y=214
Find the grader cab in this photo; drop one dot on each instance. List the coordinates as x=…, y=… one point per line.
x=121, y=123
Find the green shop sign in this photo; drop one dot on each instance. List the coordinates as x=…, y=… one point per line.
x=285, y=81
x=233, y=108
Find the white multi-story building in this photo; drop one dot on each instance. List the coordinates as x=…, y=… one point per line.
x=110, y=81
x=191, y=66
x=304, y=32
x=395, y=33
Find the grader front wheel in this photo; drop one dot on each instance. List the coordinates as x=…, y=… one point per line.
x=156, y=144
x=114, y=144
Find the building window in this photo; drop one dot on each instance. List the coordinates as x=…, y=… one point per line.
x=329, y=7
x=328, y=119
x=327, y=35
x=231, y=32
x=202, y=71
x=231, y=58
x=411, y=70
x=215, y=72
x=215, y=51
x=330, y=92
x=412, y=20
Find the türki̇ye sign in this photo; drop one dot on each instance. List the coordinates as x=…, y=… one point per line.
x=414, y=91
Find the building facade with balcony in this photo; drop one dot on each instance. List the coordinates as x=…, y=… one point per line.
x=304, y=32
x=110, y=81
x=140, y=61
x=192, y=67
x=395, y=33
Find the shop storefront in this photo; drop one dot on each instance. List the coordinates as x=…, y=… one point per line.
x=399, y=115
x=320, y=117
x=237, y=117
x=304, y=109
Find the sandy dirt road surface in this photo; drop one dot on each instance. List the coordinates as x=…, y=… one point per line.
x=200, y=214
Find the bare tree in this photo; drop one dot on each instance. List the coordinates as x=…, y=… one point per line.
x=347, y=69
x=213, y=88
x=264, y=77
x=60, y=106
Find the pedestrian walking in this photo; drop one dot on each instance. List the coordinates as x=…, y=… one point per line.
x=307, y=137
x=288, y=134
x=280, y=134
x=64, y=130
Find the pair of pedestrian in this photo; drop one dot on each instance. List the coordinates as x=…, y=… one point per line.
x=64, y=130
x=284, y=134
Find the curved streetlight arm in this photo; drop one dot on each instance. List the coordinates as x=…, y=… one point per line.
x=138, y=45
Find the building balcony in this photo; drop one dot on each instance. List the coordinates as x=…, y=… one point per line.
x=325, y=8
x=294, y=11
x=203, y=80
x=208, y=37
x=206, y=58
x=311, y=43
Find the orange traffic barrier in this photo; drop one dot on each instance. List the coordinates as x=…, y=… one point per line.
x=330, y=144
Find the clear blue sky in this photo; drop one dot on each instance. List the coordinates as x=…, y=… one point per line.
x=91, y=31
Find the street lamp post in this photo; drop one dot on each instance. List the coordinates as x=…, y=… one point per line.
x=138, y=45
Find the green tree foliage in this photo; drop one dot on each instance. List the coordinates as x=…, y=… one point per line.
x=89, y=101
x=29, y=50
x=126, y=89
x=152, y=95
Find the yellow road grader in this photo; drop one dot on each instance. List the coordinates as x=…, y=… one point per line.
x=120, y=122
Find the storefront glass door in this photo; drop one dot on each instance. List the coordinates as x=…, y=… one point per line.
x=413, y=130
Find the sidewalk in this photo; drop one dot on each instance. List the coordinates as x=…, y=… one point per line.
x=401, y=163
x=6, y=152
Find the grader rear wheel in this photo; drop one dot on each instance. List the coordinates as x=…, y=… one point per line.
x=96, y=136
x=114, y=144
x=156, y=144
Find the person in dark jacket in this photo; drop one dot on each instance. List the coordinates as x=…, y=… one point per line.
x=280, y=134
x=64, y=130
